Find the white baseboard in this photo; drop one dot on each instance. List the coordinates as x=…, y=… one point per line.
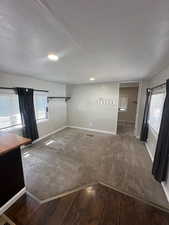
x=166, y=191
x=47, y=135
x=12, y=200
x=150, y=154
x=94, y=130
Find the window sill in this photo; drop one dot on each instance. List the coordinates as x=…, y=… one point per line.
x=9, y=129
x=42, y=121
x=19, y=127
x=122, y=110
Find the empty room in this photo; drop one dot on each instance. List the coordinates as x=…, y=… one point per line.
x=84, y=112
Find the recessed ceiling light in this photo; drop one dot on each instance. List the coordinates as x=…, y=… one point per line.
x=53, y=57
x=92, y=78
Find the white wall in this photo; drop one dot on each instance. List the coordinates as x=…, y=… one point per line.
x=141, y=103
x=85, y=111
x=57, y=108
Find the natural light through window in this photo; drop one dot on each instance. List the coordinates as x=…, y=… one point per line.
x=9, y=113
x=9, y=108
x=123, y=103
x=41, y=105
x=156, y=109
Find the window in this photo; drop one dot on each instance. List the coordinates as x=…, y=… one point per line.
x=123, y=103
x=156, y=109
x=9, y=110
x=41, y=105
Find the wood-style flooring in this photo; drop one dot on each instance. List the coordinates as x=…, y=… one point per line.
x=73, y=158
x=95, y=205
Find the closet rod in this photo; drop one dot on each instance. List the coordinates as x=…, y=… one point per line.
x=55, y=97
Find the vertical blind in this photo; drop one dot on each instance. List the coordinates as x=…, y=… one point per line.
x=9, y=105
x=41, y=105
x=156, y=109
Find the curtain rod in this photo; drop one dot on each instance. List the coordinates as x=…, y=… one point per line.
x=14, y=88
x=160, y=85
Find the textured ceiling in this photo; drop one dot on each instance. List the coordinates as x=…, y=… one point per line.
x=106, y=39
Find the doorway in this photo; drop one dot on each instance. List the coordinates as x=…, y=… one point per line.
x=128, y=95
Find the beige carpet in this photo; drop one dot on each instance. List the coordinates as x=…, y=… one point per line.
x=73, y=158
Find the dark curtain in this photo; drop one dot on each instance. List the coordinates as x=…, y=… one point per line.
x=161, y=159
x=27, y=111
x=144, y=130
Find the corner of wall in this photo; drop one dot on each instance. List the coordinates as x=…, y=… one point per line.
x=143, y=85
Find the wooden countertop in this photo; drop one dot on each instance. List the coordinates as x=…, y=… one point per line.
x=9, y=142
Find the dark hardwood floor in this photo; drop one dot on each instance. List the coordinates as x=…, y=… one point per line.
x=95, y=205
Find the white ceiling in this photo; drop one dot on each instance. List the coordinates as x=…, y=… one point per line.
x=107, y=39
